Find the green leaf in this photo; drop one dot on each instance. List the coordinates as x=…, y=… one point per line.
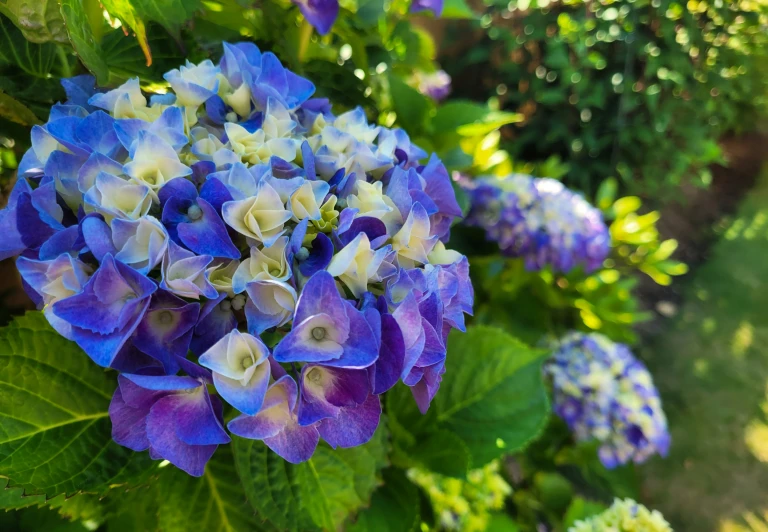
x=492, y=395
x=457, y=9
x=215, y=501
x=83, y=36
x=14, y=498
x=499, y=522
x=320, y=493
x=34, y=59
x=581, y=509
x=443, y=452
x=270, y=484
x=394, y=506
x=410, y=105
x=15, y=111
x=327, y=488
x=470, y=119
x=38, y=20
x=137, y=14
x=55, y=432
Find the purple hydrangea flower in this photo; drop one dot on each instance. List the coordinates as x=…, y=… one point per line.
x=606, y=394
x=436, y=85
x=165, y=234
x=174, y=417
x=539, y=220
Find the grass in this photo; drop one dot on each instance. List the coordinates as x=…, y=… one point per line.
x=711, y=367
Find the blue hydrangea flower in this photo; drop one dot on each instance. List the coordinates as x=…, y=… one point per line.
x=604, y=393
x=539, y=220
x=165, y=234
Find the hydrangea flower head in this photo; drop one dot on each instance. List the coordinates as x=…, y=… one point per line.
x=165, y=234
x=604, y=393
x=539, y=220
x=624, y=516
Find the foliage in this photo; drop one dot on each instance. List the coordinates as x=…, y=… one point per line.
x=635, y=89
x=584, y=91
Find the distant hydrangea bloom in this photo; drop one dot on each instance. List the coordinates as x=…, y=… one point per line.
x=606, y=394
x=436, y=85
x=165, y=234
x=624, y=516
x=464, y=505
x=539, y=220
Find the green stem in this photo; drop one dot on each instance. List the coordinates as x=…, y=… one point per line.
x=66, y=70
x=305, y=33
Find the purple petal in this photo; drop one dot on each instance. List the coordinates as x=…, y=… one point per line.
x=353, y=426
x=294, y=443
x=320, y=256
x=320, y=13
x=196, y=420
x=389, y=366
x=165, y=442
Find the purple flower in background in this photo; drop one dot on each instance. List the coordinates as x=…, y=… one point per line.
x=436, y=85
x=320, y=13
x=540, y=221
x=167, y=234
x=435, y=6
x=606, y=394
x=174, y=417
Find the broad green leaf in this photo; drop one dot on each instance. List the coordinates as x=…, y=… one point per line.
x=270, y=484
x=580, y=509
x=320, y=493
x=55, y=432
x=14, y=498
x=327, y=488
x=457, y=113
x=499, y=522
x=492, y=395
x=15, y=111
x=410, y=105
x=444, y=453
x=38, y=20
x=215, y=501
x=83, y=33
x=457, y=9
x=35, y=59
x=492, y=121
x=137, y=14
x=394, y=506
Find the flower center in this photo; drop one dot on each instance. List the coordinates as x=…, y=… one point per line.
x=247, y=362
x=238, y=302
x=194, y=212
x=225, y=306
x=165, y=317
x=318, y=333
x=315, y=375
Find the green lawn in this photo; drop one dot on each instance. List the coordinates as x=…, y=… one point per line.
x=711, y=367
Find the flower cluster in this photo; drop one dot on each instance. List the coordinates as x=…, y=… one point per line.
x=624, y=516
x=464, y=505
x=236, y=207
x=539, y=220
x=604, y=393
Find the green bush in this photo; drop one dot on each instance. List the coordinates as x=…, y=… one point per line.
x=636, y=89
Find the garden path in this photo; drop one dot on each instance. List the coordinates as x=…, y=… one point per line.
x=711, y=366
